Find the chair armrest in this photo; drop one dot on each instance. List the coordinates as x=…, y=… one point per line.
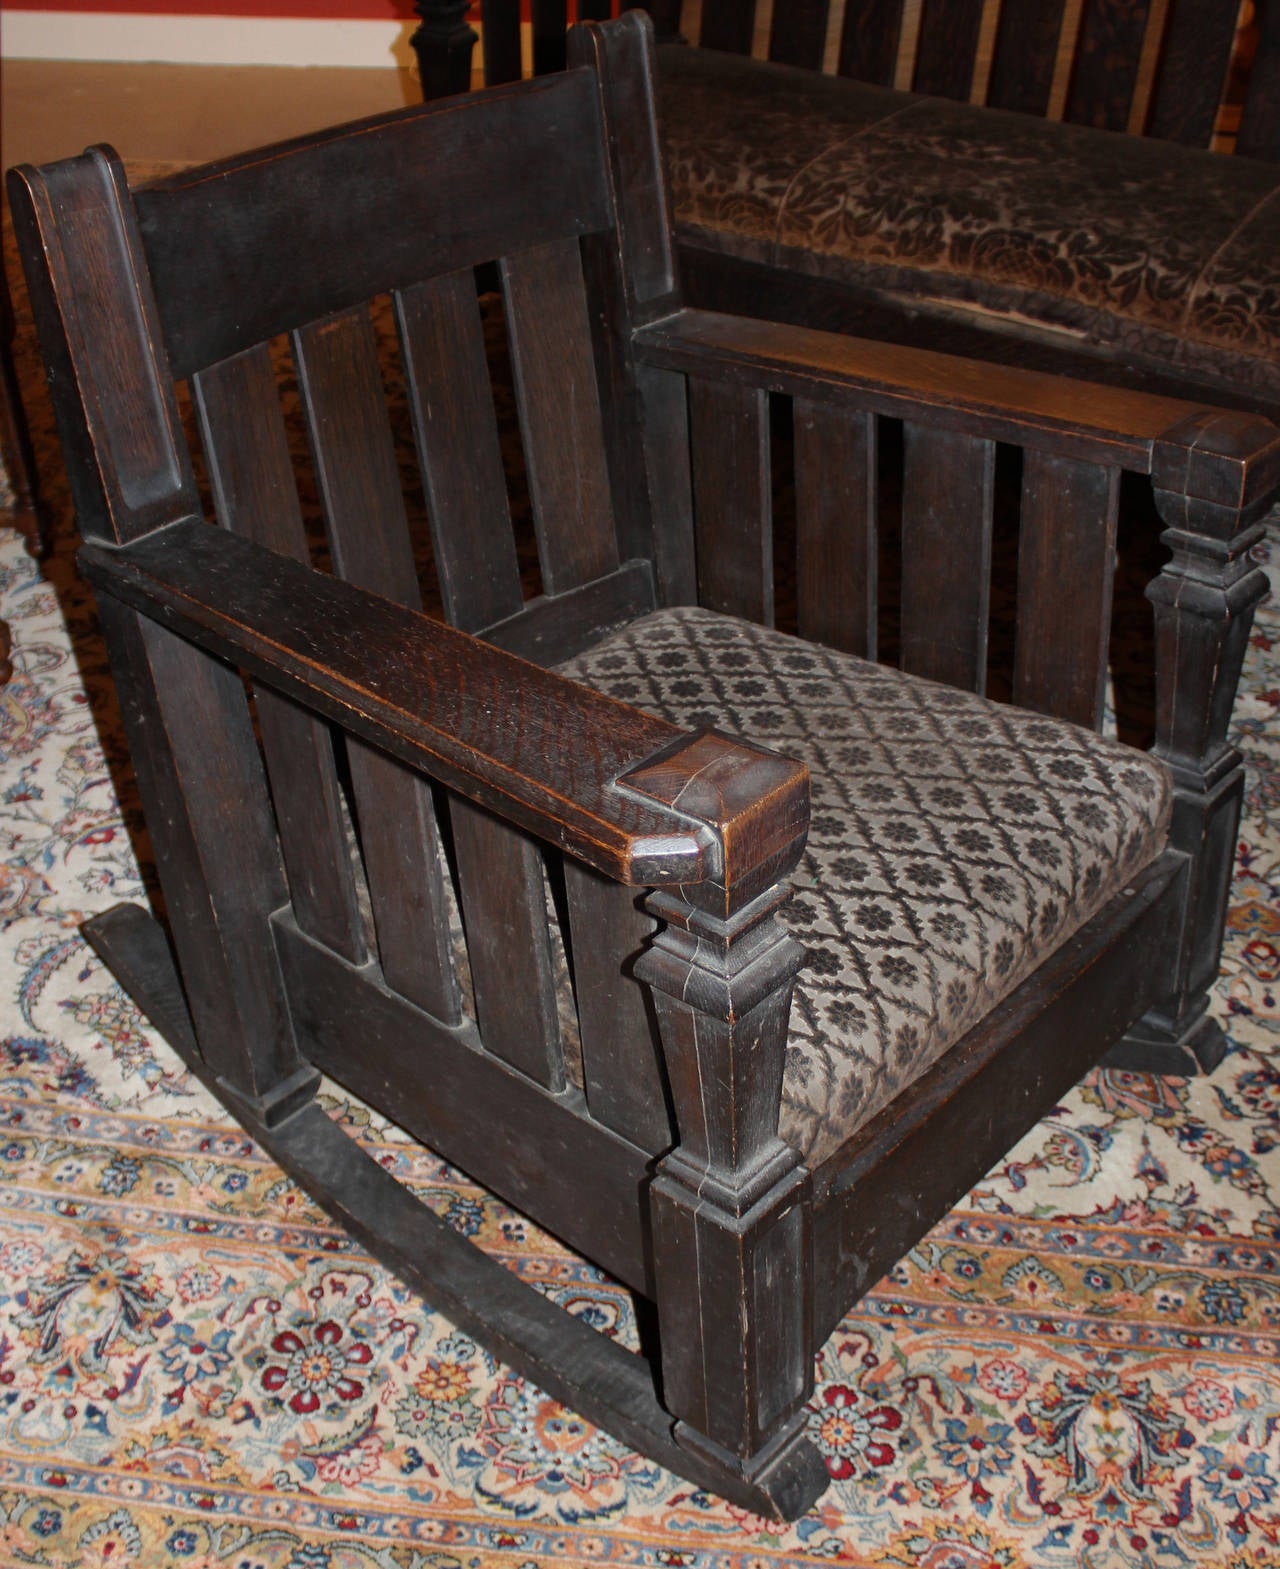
x=630, y=794
x=1084, y=420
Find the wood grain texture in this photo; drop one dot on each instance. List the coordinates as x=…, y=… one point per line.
x=798, y=34
x=947, y=501
x=1066, y=563
x=728, y=25
x=732, y=499
x=837, y=512
x=555, y=377
x=1191, y=73
x=1025, y=54
x=255, y=494
x=869, y=40
x=1105, y=71
x=947, y=48
x=1259, y=135
x=503, y=732
x=255, y=246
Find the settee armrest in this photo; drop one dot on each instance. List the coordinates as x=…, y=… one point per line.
x=632, y=795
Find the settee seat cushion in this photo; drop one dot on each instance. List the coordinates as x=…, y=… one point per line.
x=1117, y=246
x=955, y=842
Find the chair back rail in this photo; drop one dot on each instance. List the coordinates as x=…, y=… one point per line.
x=1157, y=67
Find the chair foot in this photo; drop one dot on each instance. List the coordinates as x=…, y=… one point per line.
x=1185, y=1047
x=788, y=1475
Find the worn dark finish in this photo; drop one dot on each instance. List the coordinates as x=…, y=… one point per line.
x=869, y=41
x=947, y=47
x=1025, y=53
x=610, y=1055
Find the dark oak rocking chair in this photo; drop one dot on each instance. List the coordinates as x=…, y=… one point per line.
x=360, y=812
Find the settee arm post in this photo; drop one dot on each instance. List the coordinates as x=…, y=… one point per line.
x=731, y=1203
x=1215, y=479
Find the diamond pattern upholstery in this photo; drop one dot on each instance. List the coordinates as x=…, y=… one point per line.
x=955, y=842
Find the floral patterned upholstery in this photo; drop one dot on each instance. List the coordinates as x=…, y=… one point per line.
x=955, y=842
x=1163, y=255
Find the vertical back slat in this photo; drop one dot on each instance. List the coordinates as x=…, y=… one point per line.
x=732, y=504
x=550, y=18
x=621, y=1053
x=728, y=24
x=947, y=487
x=555, y=383
x=1259, y=135
x=1108, y=54
x=947, y=48
x=836, y=518
x=345, y=405
x=1025, y=53
x=1066, y=551
x=455, y=428
x=500, y=24
x=1192, y=71
x=798, y=35
x=254, y=493
x=869, y=40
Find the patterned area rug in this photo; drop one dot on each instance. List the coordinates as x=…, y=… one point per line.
x=1080, y=1365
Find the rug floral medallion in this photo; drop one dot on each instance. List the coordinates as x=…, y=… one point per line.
x=1079, y=1366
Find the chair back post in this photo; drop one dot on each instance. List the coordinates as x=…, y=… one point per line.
x=1216, y=476
x=186, y=714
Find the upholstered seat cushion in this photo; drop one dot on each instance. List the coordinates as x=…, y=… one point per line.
x=1160, y=254
x=955, y=842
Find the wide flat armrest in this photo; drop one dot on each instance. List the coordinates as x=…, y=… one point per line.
x=538, y=749
x=1080, y=419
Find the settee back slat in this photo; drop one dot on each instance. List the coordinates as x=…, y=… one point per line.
x=1259, y=135
x=456, y=434
x=869, y=40
x=1192, y=70
x=947, y=47
x=947, y=509
x=1108, y=54
x=255, y=494
x=559, y=402
x=798, y=34
x=727, y=24
x=364, y=513
x=1025, y=55
x=837, y=508
x=1066, y=549
x=732, y=499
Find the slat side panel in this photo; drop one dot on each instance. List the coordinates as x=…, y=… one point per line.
x=455, y=428
x=836, y=520
x=1108, y=54
x=555, y=383
x=500, y=20
x=502, y=891
x=255, y=494
x=1066, y=563
x=345, y=406
x=621, y=1053
x=550, y=20
x=731, y=499
x=946, y=555
x=869, y=40
x=1259, y=135
x=947, y=48
x=1025, y=54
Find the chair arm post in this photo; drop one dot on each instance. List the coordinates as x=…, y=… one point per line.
x=731, y=1203
x=1215, y=476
